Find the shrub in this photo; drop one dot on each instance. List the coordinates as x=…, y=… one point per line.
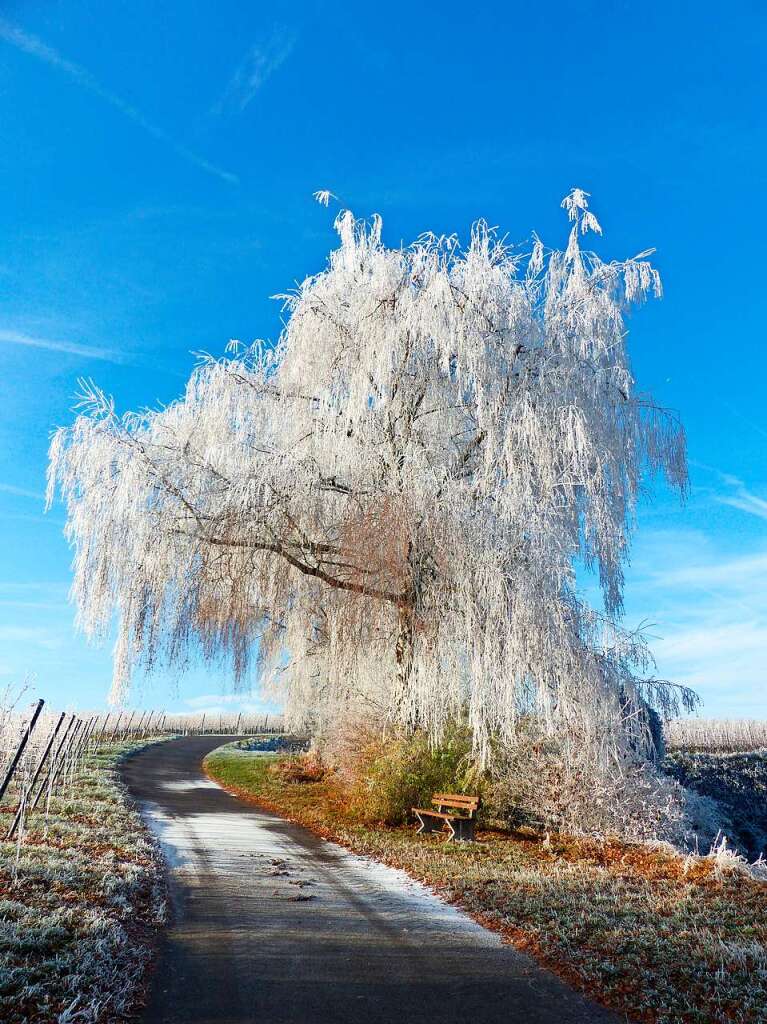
x=379, y=778
x=545, y=784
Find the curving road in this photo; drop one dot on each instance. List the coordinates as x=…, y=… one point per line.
x=270, y=923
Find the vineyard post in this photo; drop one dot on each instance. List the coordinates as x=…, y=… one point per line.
x=82, y=742
x=21, y=747
x=114, y=731
x=64, y=767
x=66, y=761
x=103, y=728
x=89, y=730
x=80, y=748
x=92, y=731
x=74, y=752
x=55, y=760
x=36, y=776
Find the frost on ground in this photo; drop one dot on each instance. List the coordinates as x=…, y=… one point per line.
x=79, y=899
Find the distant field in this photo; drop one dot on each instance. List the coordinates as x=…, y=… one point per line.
x=717, y=736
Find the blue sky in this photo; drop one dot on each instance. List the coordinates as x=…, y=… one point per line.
x=157, y=170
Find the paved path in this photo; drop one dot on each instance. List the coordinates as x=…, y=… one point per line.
x=270, y=923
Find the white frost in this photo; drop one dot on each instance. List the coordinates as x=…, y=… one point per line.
x=391, y=499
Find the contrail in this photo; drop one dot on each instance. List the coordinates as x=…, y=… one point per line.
x=68, y=347
x=21, y=492
x=35, y=47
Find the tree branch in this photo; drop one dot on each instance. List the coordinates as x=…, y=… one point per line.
x=400, y=600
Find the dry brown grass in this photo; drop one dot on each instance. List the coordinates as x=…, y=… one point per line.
x=301, y=768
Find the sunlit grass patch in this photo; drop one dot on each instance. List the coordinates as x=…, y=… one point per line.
x=654, y=934
x=79, y=899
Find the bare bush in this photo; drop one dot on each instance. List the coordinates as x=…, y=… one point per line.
x=299, y=768
x=561, y=787
x=539, y=781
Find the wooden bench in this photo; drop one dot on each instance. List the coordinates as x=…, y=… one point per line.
x=460, y=825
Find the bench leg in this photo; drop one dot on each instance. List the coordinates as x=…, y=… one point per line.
x=462, y=830
x=429, y=824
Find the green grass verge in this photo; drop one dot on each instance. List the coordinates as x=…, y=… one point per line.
x=655, y=935
x=78, y=903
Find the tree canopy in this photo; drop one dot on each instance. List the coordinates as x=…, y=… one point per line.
x=388, y=504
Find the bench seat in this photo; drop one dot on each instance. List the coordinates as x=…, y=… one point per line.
x=436, y=814
x=459, y=817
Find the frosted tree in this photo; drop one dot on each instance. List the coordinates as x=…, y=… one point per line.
x=388, y=504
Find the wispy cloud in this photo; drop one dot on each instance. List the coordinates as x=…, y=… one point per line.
x=35, y=47
x=33, y=636
x=702, y=643
x=41, y=520
x=734, y=574
x=708, y=610
x=25, y=586
x=21, y=492
x=67, y=347
x=736, y=493
x=256, y=68
x=746, y=501
x=49, y=606
x=36, y=596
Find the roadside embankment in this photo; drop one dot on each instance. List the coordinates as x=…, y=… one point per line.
x=738, y=782
x=80, y=900
x=659, y=936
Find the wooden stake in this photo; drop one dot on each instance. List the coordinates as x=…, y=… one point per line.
x=21, y=747
x=36, y=776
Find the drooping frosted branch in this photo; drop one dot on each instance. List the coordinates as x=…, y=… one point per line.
x=389, y=503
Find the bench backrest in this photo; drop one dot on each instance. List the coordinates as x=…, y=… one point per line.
x=458, y=801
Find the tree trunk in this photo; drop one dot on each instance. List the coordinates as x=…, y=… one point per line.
x=404, y=656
